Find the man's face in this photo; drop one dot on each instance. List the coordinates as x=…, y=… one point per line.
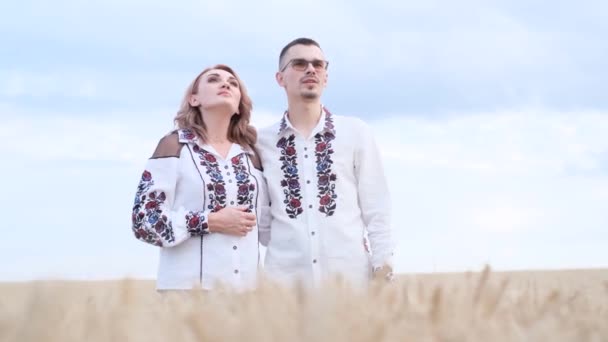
x=303, y=72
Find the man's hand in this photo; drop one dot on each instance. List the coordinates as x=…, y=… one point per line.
x=383, y=273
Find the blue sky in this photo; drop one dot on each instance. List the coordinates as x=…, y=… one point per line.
x=491, y=117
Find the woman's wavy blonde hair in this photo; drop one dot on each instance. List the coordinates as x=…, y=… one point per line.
x=239, y=131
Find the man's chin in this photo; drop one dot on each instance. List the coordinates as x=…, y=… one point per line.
x=309, y=95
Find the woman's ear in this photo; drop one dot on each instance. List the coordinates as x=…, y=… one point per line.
x=193, y=101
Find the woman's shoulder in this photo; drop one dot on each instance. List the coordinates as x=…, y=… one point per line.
x=169, y=145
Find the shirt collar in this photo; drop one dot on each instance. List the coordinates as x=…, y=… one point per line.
x=326, y=123
x=187, y=136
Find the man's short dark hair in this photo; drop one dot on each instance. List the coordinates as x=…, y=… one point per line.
x=298, y=41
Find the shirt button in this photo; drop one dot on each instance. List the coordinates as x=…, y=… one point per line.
x=305, y=148
x=230, y=181
x=310, y=206
x=236, y=271
x=312, y=233
x=226, y=167
x=228, y=173
x=314, y=261
x=307, y=182
x=306, y=156
x=231, y=202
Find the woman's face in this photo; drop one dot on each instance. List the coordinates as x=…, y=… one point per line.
x=217, y=88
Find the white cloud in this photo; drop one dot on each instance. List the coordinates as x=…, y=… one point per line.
x=466, y=187
x=528, y=142
x=15, y=83
x=112, y=136
x=94, y=85
x=506, y=218
x=431, y=56
x=452, y=38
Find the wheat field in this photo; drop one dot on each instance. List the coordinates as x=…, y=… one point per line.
x=483, y=306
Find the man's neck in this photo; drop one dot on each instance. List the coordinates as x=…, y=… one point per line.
x=304, y=117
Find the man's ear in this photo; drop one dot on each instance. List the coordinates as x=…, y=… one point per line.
x=279, y=77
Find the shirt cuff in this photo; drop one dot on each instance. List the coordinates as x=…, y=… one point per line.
x=196, y=223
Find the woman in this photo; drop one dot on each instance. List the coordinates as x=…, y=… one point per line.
x=200, y=196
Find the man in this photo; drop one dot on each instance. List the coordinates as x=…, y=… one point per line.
x=326, y=183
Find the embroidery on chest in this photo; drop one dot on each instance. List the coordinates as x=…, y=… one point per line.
x=291, y=181
x=216, y=188
x=246, y=188
x=326, y=179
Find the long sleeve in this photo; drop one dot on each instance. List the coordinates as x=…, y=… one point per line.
x=374, y=199
x=265, y=218
x=155, y=219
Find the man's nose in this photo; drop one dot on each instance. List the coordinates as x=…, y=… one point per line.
x=310, y=69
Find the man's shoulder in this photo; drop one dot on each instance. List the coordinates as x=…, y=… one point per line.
x=268, y=130
x=269, y=133
x=349, y=122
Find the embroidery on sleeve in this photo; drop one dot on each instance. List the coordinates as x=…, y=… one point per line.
x=149, y=222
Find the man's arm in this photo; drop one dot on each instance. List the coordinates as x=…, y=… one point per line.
x=374, y=201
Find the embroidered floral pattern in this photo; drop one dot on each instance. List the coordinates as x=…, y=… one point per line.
x=186, y=134
x=217, y=187
x=325, y=177
x=196, y=224
x=149, y=223
x=245, y=187
x=290, y=181
x=283, y=124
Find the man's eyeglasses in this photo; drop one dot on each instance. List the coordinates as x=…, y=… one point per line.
x=301, y=64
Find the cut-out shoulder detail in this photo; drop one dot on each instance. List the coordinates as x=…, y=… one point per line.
x=255, y=159
x=168, y=146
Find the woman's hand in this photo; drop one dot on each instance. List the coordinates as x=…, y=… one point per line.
x=236, y=221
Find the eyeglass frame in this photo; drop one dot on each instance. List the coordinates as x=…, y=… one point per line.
x=307, y=63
